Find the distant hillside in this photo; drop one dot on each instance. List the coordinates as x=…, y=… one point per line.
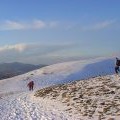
x=8, y=70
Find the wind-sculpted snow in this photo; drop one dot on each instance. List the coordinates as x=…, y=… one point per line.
x=101, y=68
x=58, y=74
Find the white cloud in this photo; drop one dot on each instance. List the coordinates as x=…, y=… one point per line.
x=18, y=25
x=98, y=26
x=12, y=25
x=38, y=24
x=53, y=24
x=17, y=47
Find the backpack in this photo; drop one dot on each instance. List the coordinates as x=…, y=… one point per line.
x=118, y=62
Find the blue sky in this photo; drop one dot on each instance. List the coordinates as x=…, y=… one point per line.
x=50, y=31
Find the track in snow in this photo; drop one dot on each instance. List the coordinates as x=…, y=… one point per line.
x=21, y=107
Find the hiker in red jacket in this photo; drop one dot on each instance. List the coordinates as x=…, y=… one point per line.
x=30, y=85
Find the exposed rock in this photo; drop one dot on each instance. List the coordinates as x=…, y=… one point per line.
x=111, y=119
x=95, y=97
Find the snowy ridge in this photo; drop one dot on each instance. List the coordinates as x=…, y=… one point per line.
x=93, y=99
x=17, y=103
x=58, y=74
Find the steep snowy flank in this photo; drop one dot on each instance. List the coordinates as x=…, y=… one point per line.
x=58, y=74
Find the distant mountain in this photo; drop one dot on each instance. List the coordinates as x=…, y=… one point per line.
x=8, y=70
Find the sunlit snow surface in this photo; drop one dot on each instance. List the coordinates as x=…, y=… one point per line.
x=15, y=100
x=59, y=73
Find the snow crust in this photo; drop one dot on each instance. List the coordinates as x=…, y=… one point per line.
x=17, y=103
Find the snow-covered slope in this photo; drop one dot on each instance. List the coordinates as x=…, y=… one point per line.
x=58, y=74
x=17, y=103
x=93, y=99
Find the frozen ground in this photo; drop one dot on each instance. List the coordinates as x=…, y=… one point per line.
x=93, y=99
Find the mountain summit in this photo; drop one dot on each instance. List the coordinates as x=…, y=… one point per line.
x=78, y=90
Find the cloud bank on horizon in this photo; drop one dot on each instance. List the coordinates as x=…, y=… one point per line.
x=42, y=54
x=17, y=47
x=34, y=53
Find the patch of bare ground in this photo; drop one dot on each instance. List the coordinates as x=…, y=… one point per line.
x=97, y=98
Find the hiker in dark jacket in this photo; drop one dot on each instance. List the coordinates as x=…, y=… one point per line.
x=117, y=66
x=30, y=85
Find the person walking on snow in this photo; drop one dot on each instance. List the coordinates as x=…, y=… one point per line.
x=117, y=65
x=30, y=85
